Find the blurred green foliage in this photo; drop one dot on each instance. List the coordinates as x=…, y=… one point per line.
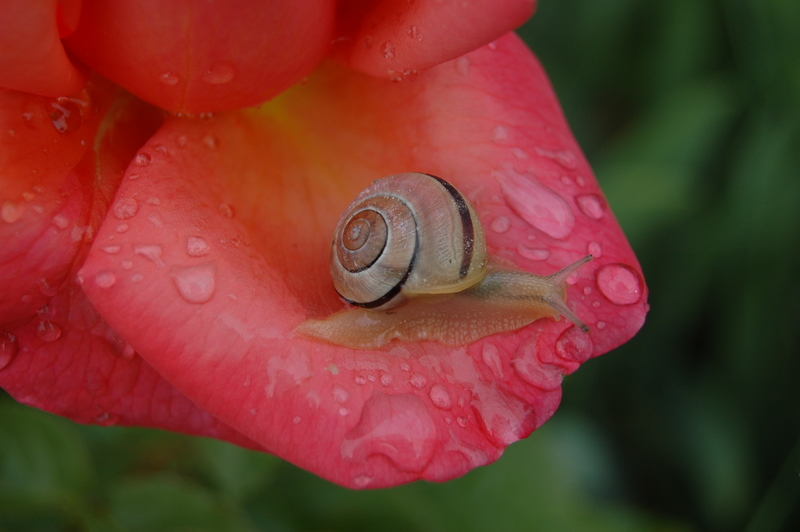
x=689, y=111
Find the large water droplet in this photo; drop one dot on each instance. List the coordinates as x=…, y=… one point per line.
x=620, y=284
x=574, y=345
x=151, y=252
x=66, y=114
x=491, y=357
x=501, y=224
x=47, y=331
x=9, y=347
x=533, y=253
x=195, y=283
x=441, y=397
x=591, y=205
x=398, y=427
x=169, y=78
x=220, y=72
x=527, y=366
x=537, y=204
x=387, y=49
x=125, y=208
x=196, y=246
x=10, y=212
x=105, y=279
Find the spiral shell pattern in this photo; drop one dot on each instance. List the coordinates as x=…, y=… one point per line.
x=407, y=235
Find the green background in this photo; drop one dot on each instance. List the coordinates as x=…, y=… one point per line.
x=689, y=111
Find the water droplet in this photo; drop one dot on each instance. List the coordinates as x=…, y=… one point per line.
x=153, y=201
x=440, y=397
x=462, y=65
x=121, y=228
x=587, y=290
x=600, y=325
x=368, y=41
x=47, y=331
x=46, y=312
x=519, y=153
x=107, y=419
x=527, y=366
x=362, y=481
x=343, y=411
x=9, y=347
x=220, y=73
x=414, y=34
x=211, y=142
x=226, y=210
x=537, y=204
x=182, y=141
x=105, y=279
x=127, y=352
x=580, y=180
x=574, y=345
x=405, y=366
x=620, y=284
x=46, y=289
x=126, y=208
x=591, y=205
x=126, y=264
x=386, y=380
x=155, y=219
x=499, y=134
x=12, y=133
x=462, y=421
x=418, y=381
x=491, y=357
x=398, y=427
x=65, y=114
x=533, y=253
x=387, y=49
x=501, y=224
x=196, y=246
x=296, y=419
x=595, y=249
x=195, y=283
x=565, y=158
x=151, y=252
x=169, y=78
x=137, y=278
x=142, y=159
x=360, y=380
x=10, y=212
x=133, y=177
x=340, y=395
x=371, y=378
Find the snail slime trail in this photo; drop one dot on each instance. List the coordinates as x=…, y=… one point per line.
x=410, y=253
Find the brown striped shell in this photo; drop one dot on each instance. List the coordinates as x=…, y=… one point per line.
x=407, y=235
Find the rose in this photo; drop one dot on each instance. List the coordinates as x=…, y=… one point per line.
x=154, y=265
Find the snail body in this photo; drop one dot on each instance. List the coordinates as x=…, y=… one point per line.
x=410, y=253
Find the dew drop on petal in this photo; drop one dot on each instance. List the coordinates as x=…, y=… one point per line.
x=519, y=153
x=591, y=205
x=9, y=347
x=499, y=134
x=462, y=65
x=225, y=210
x=462, y=421
x=296, y=420
x=565, y=158
x=418, y=381
x=10, y=212
x=125, y=208
x=105, y=279
x=387, y=49
x=440, y=397
x=151, y=252
x=195, y=284
x=211, y=142
x=595, y=249
x=386, y=380
x=360, y=380
x=169, y=78
x=574, y=345
x=414, y=34
x=66, y=114
x=600, y=325
x=538, y=205
x=343, y=411
x=220, y=72
x=142, y=159
x=620, y=284
x=155, y=219
x=340, y=395
x=491, y=357
x=501, y=224
x=121, y=228
x=533, y=253
x=196, y=246
x=47, y=331
x=107, y=419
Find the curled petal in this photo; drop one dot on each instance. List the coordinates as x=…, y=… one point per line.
x=191, y=56
x=396, y=39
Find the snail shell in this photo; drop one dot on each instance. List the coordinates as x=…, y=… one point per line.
x=404, y=236
x=411, y=253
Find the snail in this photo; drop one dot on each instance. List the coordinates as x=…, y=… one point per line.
x=410, y=253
